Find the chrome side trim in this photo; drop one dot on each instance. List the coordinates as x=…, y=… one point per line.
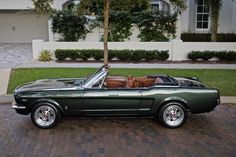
x=110, y=110
x=14, y=106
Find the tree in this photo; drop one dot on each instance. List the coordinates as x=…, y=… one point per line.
x=70, y=26
x=120, y=15
x=44, y=7
x=214, y=6
x=156, y=26
x=179, y=5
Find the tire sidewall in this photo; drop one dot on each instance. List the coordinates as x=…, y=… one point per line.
x=161, y=112
x=57, y=114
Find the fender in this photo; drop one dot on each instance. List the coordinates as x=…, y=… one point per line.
x=52, y=102
x=171, y=99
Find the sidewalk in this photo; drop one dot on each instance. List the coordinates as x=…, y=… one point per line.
x=4, y=78
x=53, y=64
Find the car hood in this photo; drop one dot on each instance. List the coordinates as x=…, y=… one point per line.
x=50, y=84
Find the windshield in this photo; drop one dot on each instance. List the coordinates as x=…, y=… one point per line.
x=94, y=77
x=91, y=76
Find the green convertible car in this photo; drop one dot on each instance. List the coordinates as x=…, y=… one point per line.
x=168, y=98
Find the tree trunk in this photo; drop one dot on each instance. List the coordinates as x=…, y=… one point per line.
x=106, y=20
x=215, y=13
x=214, y=29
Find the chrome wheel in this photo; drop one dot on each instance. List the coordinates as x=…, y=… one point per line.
x=173, y=115
x=45, y=115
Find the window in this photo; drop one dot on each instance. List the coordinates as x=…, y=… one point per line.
x=202, y=19
x=159, y=5
x=70, y=4
x=155, y=7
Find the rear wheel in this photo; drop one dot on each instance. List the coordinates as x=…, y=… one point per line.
x=173, y=115
x=45, y=115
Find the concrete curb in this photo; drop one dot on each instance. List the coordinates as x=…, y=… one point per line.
x=228, y=99
x=4, y=79
x=128, y=65
x=4, y=99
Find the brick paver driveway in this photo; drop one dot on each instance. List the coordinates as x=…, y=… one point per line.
x=212, y=134
x=14, y=54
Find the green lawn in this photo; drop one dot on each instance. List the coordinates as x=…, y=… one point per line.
x=224, y=80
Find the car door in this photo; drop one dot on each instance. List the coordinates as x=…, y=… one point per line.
x=71, y=100
x=122, y=101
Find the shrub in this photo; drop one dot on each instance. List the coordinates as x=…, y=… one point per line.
x=221, y=55
x=150, y=55
x=96, y=54
x=162, y=55
x=45, y=56
x=231, y=56
x=111, y=54
x=85, y=54
x=61, y=54
x=226, y=55
x=137, y=55
x=194, y=55
x=206, y=55
x=73, y=55
x=123, y=55
x=206, y=37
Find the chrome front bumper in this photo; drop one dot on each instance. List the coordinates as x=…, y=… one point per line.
x=15, y=106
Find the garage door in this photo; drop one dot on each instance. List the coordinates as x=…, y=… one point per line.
x=22, y=27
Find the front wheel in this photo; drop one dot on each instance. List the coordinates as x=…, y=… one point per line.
x=173, y=115
x=45, y=115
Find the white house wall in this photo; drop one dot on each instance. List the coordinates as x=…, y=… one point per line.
x=94, y=36
x=185, y=19
x=227, y=19
x=234, y=17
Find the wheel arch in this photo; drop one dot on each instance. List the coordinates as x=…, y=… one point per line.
x=173, y=99
x=51, y=101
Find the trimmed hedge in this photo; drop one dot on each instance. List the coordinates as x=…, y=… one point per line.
x=206, y=37
x=206, y=55
x=123, y=55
